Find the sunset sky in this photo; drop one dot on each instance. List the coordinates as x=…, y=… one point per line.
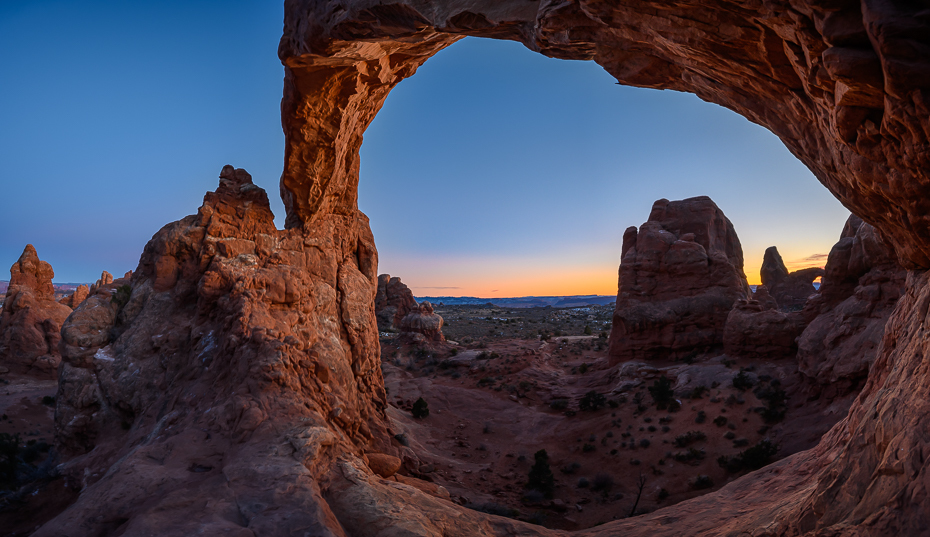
x=492, y=172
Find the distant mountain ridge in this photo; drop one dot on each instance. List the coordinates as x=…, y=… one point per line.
x=572, y=301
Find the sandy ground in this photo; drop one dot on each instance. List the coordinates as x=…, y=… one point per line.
x=490, y=412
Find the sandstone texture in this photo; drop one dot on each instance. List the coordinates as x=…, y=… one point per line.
x=393, y=302
x=74, y=299
x=31, y=319
x=789, y=290
x=397, y=311
x=214, y=391
x=680, y=275
x=197, y=414
x=755, y=331
x=862, y=285
x=422, y=324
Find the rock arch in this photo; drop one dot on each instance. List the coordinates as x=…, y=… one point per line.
x=844, y=84
x=236, y=389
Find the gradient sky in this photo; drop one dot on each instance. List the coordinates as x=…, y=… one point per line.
x=493, y=172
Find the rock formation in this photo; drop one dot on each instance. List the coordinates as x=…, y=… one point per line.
x=234, y=337
x=790, y=290
x=754, y=330
x=422, y=324
x=863, y=282
x=74, y=299
x=31, y=319
x=393, y=302
x=397, y=311
x=680, y=275
x=105, y=279
x=232, y=429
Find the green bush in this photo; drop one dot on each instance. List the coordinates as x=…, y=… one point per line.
x=661, y=392
x=541, y=477
x=420, y=409
x=558, y=404
x=751, y=459
x=741, y=381
x=9, y=450
x=689, y=438
x=121, y=296
x=592, y=401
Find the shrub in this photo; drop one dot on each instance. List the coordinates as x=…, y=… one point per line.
x=663, y=494
x=741, y=381
x=644, y=443
x=689, y=438
x=587, y=330
x=587, y=448
x=720, y=421
x=603, y=482
x=583, y=368
x=420, y=409
x=569, y=469
x=583, y=482
x=661, y=392
x=697, y=392
x=121, y=296
x=701, y=417
x=751, y=459
x=592, y=401
x=9, y=449
x=48, y=400
x=558, y=404
x=540, y=477
x=702, y=482
x=692, y=456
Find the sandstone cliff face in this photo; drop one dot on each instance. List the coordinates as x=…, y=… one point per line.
x=31, y=319
x=862, y=285
x=393, y=302
x=242, y=362
x=680, y=275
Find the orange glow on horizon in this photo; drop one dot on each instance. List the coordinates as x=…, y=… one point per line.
x=528, y=279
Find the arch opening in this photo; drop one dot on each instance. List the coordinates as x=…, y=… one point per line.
x=832, y=82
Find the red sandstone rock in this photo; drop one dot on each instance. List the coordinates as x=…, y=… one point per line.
x=393, y=302
x=841, y=83
x=105, y=279
x=383, y=464
x=74, y=299
x=754, y=331
x=423, y=322
x=862, y=284
x=234, y=337
x=31, y=319
x=790, y=290
x=680, y=275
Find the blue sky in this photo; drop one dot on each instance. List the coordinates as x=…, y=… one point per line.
x=493, y=172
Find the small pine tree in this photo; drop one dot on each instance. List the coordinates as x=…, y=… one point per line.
x=540, y=477
x=420, y=409
x=587, y=330
x=661, y=392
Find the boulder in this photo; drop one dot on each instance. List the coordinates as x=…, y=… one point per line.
x=383, y=464
x=680, y=275
x=31, y=319
x=423, y=322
